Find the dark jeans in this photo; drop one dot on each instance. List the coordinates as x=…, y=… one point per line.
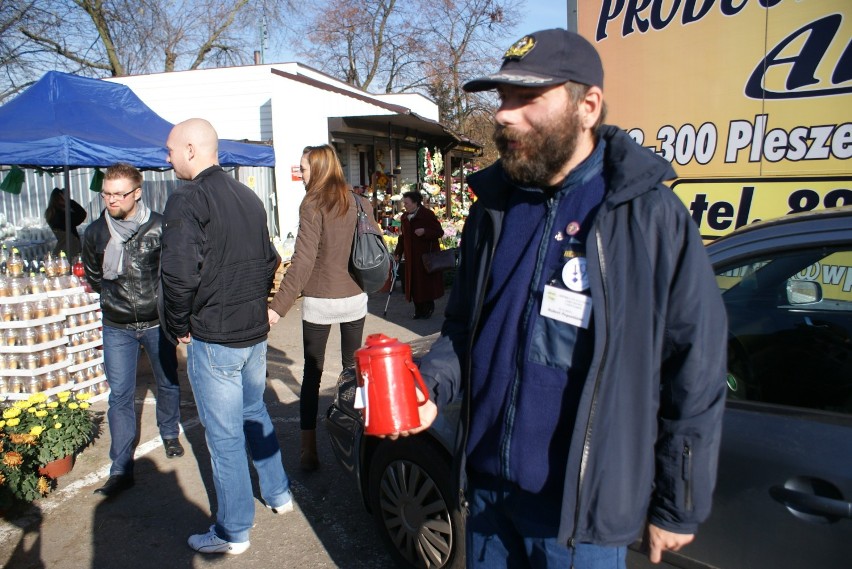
x=315, y=338
x=121, y=352
x=509, y=527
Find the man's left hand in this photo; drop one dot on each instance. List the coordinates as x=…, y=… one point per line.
x=658, y=540
x=185, y=339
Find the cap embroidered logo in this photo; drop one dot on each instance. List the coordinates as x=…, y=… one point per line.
x=520, y=48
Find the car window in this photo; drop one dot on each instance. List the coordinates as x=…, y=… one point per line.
x=790, y=324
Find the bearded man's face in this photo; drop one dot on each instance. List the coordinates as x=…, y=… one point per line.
x=541, y=134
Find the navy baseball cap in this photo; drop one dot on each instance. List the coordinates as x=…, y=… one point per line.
x=548, y=57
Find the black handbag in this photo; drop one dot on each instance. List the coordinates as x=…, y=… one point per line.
x=439, y=261
x=370, y=259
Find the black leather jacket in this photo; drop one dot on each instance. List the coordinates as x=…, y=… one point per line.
x=131, y=300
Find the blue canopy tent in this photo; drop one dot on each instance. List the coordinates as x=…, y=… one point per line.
x=64, y=121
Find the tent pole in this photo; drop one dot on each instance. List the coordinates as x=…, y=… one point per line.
x=67, y=172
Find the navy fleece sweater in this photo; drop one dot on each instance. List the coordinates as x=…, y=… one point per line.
x=528, y=370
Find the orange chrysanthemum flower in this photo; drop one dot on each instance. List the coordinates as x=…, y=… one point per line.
x=13, y=459
x=22, y=439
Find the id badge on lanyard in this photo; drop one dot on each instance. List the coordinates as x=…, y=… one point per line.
x=566, y=297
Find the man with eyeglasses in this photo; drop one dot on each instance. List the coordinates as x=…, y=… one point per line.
x=121, y=255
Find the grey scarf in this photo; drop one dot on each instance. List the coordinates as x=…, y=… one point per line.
x=120, y=231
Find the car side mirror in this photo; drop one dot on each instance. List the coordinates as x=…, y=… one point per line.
x=803, y=292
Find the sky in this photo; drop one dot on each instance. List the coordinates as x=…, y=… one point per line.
x=538, y=15
x=542, y=15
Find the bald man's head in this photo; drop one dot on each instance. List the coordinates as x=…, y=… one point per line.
x=193, y=146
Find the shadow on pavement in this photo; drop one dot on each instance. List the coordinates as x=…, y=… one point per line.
x=138, y=528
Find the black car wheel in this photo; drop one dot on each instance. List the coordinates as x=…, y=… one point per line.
x=408, y=488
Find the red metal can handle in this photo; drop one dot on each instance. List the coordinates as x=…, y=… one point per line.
x=415, y=371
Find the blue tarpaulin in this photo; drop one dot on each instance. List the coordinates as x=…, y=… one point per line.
x=68, y=121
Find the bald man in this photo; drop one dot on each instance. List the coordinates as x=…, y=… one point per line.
x=217, y=269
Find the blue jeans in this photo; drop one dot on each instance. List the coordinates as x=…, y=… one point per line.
x=509, y=527
x=121, y=353
x=228, y=384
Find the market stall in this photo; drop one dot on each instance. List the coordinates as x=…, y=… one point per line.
x=50, y=324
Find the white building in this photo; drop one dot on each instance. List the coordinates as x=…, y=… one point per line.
x=292, y=106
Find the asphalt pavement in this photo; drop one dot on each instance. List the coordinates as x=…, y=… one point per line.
x=147, y=526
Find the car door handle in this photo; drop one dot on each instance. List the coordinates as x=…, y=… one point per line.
x=811, y=503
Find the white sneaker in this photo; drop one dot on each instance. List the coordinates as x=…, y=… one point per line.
x=285, y=508
x=211, y=543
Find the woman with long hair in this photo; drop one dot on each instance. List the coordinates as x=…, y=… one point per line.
x=319, y=270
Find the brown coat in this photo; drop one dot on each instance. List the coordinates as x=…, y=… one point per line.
x=320, y=264
x=420, y=286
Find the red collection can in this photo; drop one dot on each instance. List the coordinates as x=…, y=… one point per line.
x=387, y=382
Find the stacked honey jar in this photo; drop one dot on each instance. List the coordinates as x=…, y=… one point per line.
x=50, y=331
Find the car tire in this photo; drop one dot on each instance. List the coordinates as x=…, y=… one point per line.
x=410, y=482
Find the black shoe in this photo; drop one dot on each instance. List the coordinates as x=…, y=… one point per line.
x=173, y=448
x=115, y=485
x=427, y=313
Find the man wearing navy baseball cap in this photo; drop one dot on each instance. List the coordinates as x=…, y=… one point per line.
x=584, y=335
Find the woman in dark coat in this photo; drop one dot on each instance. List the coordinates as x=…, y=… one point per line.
x=419, y=234
x=55, y=217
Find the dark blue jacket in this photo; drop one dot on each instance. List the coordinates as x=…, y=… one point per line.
x=217, y=262
x=646, y=440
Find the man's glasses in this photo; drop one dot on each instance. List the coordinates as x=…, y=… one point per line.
x=119, y=197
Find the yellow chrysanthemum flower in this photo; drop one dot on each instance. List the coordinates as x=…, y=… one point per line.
x=38, y=397
x=41, y=414
x=42, y=405
x=63, y=400
x=2, y=424
x=11, y=413
x=73, y=406
x=57, y=426
x=37, y=430
x=13, y=422
x=84, y=405
x=64, y=394
x=83, y=396
x=53, y=405
x=43, y=485
x=31, y=410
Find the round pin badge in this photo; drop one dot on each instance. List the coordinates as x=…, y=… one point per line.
x=573, y=228
x=574, y=274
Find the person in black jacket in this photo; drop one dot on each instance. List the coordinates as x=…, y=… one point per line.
x=218, y=265
x=584, y=335
x=54, y=214
x=121, y=256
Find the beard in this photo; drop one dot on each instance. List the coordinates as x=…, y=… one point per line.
x=119, y=214
x=541, y=153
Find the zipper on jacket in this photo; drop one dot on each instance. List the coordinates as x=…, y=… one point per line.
x=572, y=545
x=584, y=460
x=474, y=323
x=552, y=206
x=687, y=477
x=132, y=288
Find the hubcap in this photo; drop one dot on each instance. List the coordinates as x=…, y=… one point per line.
x=415, y=515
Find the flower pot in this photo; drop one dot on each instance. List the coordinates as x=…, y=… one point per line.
x=58, y=467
